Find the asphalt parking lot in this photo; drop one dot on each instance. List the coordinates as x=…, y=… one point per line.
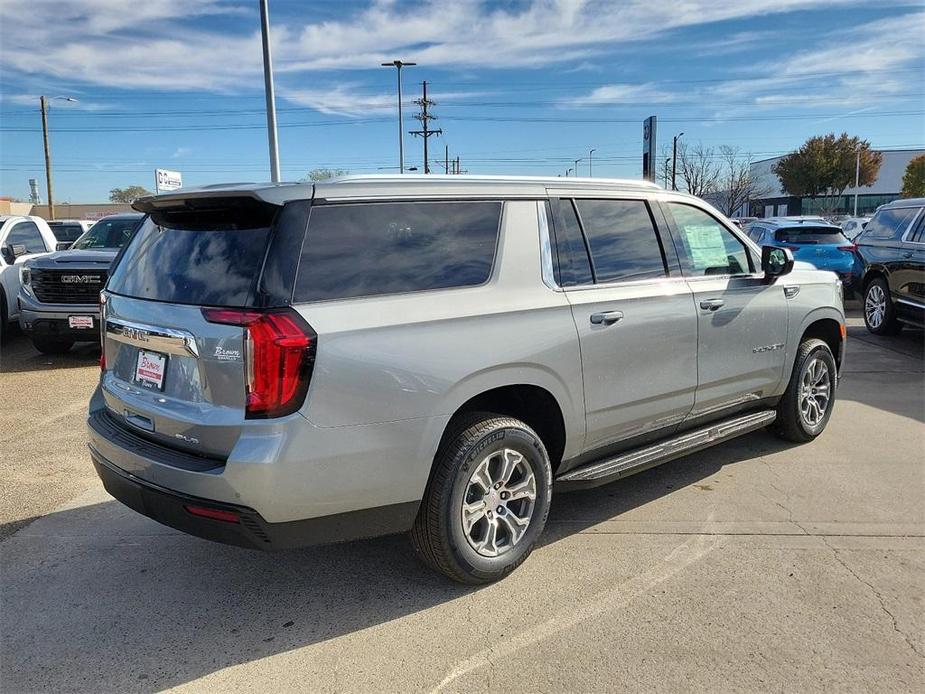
x=752, y=566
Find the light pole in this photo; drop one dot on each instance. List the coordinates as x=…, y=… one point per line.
x=43, y=103
x=567, y=172
x=270, y=94
x=590, y=162
x=576, y=166
x=857, y=179
x=667, y=162
x=398, y=65
x=674, y=160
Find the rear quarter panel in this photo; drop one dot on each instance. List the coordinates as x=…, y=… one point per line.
x=423, y=354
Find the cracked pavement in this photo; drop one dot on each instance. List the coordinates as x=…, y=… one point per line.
x=751, y=566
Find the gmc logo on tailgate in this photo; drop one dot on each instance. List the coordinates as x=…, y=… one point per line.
x=80, y=279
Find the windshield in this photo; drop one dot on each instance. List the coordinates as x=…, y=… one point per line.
x=810, y=235
x=107, y=233
x=66, y=232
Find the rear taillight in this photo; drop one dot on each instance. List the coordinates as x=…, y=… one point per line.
x=102, y=331
x=851, y=248
x=279, y=355
x=218, y=514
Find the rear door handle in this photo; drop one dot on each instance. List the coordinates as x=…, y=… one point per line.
x=712, y=304
x=907, y=254
x=606, y=317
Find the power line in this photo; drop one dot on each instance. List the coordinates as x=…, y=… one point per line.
x=425, y=117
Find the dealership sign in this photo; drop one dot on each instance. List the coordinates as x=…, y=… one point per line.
x=648, y=148
x=165, y=180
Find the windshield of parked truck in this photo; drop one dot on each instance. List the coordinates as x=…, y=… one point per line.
x=108, y=233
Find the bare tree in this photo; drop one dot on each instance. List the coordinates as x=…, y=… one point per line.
x=736, y=184
x=698, y=169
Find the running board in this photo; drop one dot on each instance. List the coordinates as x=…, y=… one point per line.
x=628, y=463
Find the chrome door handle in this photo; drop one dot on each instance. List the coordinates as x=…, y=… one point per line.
x=907, y=254
x=712, y=304
x=606, y=318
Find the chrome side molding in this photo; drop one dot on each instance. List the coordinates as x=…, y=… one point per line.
x=152, y=337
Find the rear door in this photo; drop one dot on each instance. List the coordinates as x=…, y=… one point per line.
x=908, y=279
x=636, y=322
x=742, y=321
x=174, y=368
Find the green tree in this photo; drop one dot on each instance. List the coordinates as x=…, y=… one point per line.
x=914, y=179
x=324, y=174
x=130, y=194
x=825, y=166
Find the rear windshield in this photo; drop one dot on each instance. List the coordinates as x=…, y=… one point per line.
x=809, y=235
x=207, y=257
x=66, y=232
x=368, y=249
x=107, y=233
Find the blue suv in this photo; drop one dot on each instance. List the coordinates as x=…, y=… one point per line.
x=812, y=240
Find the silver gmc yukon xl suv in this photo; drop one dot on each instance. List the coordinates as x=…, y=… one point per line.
x=293, y=364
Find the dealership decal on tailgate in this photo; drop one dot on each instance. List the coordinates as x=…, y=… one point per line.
x=80, y=321
x=149, y=371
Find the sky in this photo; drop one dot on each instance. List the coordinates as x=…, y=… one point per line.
x=521, y=86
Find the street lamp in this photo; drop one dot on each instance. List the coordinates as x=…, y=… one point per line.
x=667, y=162
x=269, y=93
x=576, y=166
x=398, y=65
x=567, y=172
x=674, y=160
x=43, y=102
x=590, y=161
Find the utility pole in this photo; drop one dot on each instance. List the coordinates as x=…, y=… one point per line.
x=270, y=94
x=674, y=161
x=457, y=165
x=398, y=64
x=425, y=117
x=590, y=160
x=51, y=199
x=446, y=159
x=43, y=104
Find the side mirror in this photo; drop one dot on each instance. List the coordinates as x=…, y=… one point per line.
x=63, y=245
x=775, y=262
x=7, y=254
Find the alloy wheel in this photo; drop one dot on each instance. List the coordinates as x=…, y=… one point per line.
x=815, y=392
x=875, y=306
x=498, y=502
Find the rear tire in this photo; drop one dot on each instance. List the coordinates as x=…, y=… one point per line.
x=50, y=346
x=487, y=500
x=805, y=408
x=879, y=312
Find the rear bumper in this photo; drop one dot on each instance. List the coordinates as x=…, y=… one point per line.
x=250, y=530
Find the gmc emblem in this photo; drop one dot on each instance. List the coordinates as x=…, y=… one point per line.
x=80, y=279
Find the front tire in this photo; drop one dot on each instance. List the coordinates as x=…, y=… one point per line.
x=49, y=346
x=487, y=501
x=879, y=312
x=805, y=408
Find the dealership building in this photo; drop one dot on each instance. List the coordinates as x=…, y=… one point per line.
x=774, y=202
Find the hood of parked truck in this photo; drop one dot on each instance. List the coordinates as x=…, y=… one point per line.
x=65, y=259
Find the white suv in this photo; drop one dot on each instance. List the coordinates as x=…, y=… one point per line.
x=20, y=237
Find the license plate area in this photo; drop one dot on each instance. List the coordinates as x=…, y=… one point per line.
x=150, y=369
x=80, y=322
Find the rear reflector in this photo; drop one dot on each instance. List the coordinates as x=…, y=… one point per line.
x=851, y=248
x=214, y=513
x=279, y=351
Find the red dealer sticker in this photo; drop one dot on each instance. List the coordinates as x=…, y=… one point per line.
x=150, y=368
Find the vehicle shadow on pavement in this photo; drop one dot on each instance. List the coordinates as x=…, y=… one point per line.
x=17, y=355
x=100, y=584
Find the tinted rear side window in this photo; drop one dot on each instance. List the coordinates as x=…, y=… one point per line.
x=888, y=225
x=813, y=235
x=209, y=257
x=624, y=245
x=574, y=265
x=368, y=249
x=66, y=232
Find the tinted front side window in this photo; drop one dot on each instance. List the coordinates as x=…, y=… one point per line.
x=622, y=239
x=888, y=225
x=367, y=249
x=708, y=247
x=212, y=267
x=28, y=235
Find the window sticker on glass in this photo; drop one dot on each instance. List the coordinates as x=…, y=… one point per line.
x=706, y=246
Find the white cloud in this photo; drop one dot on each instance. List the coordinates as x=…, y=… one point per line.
x=181, y=152
x=622, y=94
x=154, y=45
x=348, y=100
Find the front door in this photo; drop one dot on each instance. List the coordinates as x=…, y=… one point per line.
x=742, y=321
x=636, y=324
